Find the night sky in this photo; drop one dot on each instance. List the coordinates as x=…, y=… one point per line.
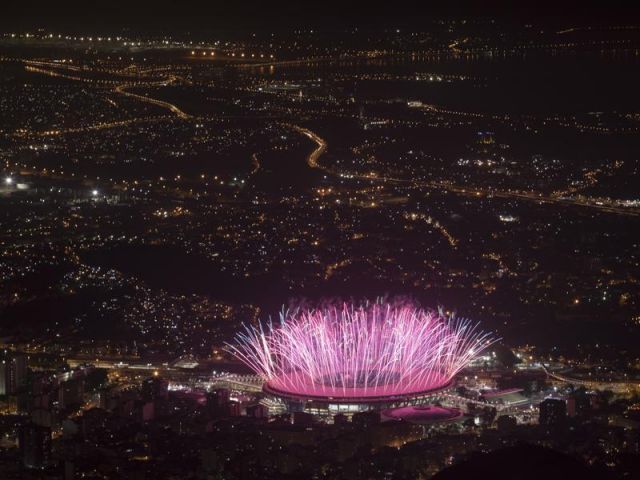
x=201, y=14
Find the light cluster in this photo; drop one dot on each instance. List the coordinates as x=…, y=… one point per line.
x=351, y=351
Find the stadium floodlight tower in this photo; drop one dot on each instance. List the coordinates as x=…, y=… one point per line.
x=350, y=358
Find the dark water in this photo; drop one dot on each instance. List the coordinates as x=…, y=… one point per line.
x=532, y=82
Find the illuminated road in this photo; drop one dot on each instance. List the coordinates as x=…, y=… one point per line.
x=90, y=128
x=619, y=387
x=121, y=89
x=312, y=159
x=255, y=164
x=538, y=198
x=508, y=119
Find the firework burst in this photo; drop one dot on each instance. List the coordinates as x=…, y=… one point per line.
x=348, y=351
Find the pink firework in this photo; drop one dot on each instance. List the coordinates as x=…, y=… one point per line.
x=372, y=351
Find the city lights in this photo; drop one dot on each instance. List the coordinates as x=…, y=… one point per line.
x=173, y=173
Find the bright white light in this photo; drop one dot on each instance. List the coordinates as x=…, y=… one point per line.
x=8, y=180
x=94, y=193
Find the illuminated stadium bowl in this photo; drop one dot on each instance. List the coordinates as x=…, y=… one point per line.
x=377, y=353
x=423, y=415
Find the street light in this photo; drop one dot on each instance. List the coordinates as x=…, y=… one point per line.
x=8, y=180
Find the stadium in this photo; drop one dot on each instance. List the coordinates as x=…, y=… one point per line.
x=350, y=358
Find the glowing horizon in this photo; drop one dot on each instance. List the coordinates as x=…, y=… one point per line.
x=349, y=351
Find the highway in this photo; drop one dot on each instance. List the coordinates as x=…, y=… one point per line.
x=90, y=128
x=618, y=387
x=312, y=159
x=121, y=89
